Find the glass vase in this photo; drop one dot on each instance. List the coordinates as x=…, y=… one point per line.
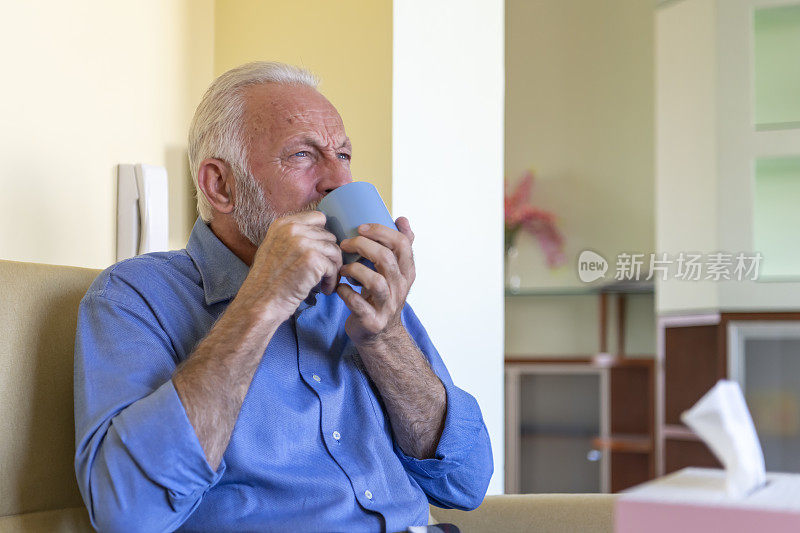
x=512, y=279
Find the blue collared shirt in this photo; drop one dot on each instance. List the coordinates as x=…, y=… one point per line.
x=312, y=449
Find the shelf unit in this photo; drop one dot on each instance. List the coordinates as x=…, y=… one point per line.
x=581, y=424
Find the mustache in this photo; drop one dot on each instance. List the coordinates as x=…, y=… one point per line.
x=311, y=206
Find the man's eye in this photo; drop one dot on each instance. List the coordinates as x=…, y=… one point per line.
x=344, y=156
x=302, y=153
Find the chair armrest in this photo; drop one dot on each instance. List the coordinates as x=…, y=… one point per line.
x=553, y=513
x=70, y=520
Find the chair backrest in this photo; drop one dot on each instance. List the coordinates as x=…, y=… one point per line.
x=38, y=314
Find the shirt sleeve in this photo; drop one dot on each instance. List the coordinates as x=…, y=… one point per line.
x=139, y=464
x=459, y=473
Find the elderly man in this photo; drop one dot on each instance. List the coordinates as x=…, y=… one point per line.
x=237, y=384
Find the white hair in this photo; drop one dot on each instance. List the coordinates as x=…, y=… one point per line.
x=217, y=127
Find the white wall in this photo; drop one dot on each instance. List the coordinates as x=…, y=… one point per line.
x=447, y=163
x=706, y=152
x=686, y=144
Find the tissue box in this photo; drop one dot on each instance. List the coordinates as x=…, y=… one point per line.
x=694, y=499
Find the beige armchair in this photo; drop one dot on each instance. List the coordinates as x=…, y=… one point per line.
x=38, y=491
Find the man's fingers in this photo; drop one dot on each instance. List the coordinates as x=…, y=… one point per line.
x=398, y=242
x=328, y=284
x=390, y=238
x=331, y=276
x=369, y=280
x=381, y=256
x=322, y=234
x=307, y=231
x=305, y=224
x=404, y=226
x=309, y=218
x=354, y=301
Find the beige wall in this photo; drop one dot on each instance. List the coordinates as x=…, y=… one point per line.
x=89, y=84
x=347, y=43
x=119, y=83
x=579, y=111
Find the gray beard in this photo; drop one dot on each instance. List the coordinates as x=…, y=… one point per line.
x=253, y=213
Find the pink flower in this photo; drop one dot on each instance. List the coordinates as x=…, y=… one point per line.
x=541, y=224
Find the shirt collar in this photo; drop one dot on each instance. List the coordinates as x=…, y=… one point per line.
x=222, y=272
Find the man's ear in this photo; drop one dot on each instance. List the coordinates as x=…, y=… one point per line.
x=215, y=181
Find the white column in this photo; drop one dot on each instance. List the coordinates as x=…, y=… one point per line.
x=447, y=165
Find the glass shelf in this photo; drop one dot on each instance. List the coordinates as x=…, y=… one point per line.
x=619, y=287
x=564, y=431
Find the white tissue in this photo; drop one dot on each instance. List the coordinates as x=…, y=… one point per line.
x=722, y=420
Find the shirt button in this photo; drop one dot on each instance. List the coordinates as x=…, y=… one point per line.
x=368, y=494
x=337, y=435
x=317, y=378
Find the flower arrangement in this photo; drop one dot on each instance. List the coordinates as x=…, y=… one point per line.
x=541, y=224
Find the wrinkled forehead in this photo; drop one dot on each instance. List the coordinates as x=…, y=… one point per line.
x=275, y=112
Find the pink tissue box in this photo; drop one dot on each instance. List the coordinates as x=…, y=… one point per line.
x=694, y=500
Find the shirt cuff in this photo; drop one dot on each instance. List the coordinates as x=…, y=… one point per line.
x=462, y=428
x=161, y=440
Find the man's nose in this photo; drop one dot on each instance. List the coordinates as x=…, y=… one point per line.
x=334, y=176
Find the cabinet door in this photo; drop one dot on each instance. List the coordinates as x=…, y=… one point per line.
x=558, y=413
x=765, y=359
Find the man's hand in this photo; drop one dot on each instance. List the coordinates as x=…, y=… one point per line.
x=296, y=254
x=413, y=394
x=375, y=313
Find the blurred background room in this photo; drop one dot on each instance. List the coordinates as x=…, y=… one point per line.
x=649, y=153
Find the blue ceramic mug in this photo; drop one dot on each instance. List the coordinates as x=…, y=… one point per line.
x=349, y=206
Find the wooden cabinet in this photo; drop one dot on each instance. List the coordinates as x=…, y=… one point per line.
x=695, y=351
x=586, y=423
x=554, y=411
x=579, y=425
